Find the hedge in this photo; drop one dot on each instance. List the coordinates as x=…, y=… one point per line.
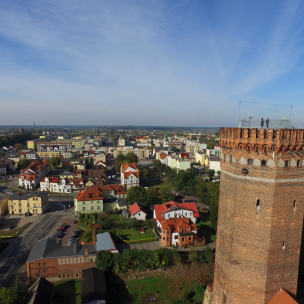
x=140, y=241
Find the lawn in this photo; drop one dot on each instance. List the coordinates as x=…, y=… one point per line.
x=67, y=292
x=164, y=289
x=13, y=232
x=132, y=234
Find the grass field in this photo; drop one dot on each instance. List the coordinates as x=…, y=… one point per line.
x=13, y=232
x=132, y=234
x=164, y=289
x=67, y=292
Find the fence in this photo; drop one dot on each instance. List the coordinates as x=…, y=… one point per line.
x=273, y=123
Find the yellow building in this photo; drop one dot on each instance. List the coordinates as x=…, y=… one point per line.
x=78, y=143
x=3, y=206
x=49, y=154
x=20, y=203
x=200, y=157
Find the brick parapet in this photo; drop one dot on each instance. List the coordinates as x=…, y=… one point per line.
x=254, y=139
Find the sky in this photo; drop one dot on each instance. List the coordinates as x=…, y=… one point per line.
x=167, y=63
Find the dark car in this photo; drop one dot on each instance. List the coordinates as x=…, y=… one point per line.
x=61, y=228
x=64, y=226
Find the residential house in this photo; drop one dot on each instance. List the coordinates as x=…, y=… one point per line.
x=177, y=232
x=164, y=158
x=32, y=202
x=77, y=184
x=184, y=155
x=121, y=142
x=54, y=146
x=200, y=157
x=138, y=212
x=160, y=149
x=129, y=175
x=31, y=155
x=33, y=173
x=56, y=184
x=100, y=198
x=214, y=163
x=67, y=154
x=175, y=209
x=178, y=163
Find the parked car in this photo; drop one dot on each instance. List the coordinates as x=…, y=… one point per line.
x=75, y=221
x=64, y=226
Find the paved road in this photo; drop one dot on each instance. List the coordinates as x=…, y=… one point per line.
x=13, y=259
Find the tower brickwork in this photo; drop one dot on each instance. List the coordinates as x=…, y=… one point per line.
x=261, y=210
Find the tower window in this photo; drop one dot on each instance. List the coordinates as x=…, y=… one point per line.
x=258, y=206
x=263, y=162
x=230, y=159
x=283, y=247
x=250, y=161
x=298, y=163
x=286, y=164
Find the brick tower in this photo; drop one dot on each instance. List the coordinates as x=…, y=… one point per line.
x=260, y=214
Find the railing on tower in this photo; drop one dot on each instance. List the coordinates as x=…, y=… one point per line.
x=273, y=123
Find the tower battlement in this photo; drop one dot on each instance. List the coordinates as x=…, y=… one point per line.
x=261, y=140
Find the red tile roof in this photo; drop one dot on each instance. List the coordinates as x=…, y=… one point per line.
x=184, y=155
x=53, y=180
x=124, y=167
x=163, y=155
x=175, y=223
x=160, y=209
x=135, y=208
x=89, y=194
x=282, y=297
x=127, y=174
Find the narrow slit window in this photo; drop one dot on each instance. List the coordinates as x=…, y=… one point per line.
x=258, y=204
x=250, y=161
x=283, y=245
x=298, y=163
x=263, y=162
x=286, y=164
x=294, y=204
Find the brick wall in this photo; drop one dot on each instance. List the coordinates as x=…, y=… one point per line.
x=260, y=214
x=55, y=269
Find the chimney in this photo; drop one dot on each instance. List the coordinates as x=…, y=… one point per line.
x=86, y=252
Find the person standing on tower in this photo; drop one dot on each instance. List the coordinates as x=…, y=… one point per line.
x=262, y=123
x=267, y=123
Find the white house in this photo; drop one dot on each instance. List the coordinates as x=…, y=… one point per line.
x=34, y=173
x=137, y=212
x=175, y=209
x=129, y=175
x=214, y=164
x=55, y=184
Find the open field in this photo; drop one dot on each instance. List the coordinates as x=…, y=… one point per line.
x=132, y=234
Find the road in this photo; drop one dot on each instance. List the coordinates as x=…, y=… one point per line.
x=12, y=261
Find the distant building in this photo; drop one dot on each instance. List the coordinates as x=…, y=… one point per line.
x=166, y=141
x=121, y=142
x=20, y=130
x=129, y=175
x=31, y=155
x=178, y=163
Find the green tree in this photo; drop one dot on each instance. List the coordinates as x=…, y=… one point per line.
x=165, y=193
x=214, y=190
x=210, y=145
x=7, y=296
x=91, y=163
x=75, y=155
x=18, y=147
x=131, y=158
x=54, y=162
x=23, y=163
x=186, y=181
x=156, y=164
x=137, y=195
x=210, y=173
x=104, y=260
x=202, y=192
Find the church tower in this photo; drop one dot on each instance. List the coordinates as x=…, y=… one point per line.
x=260, y=214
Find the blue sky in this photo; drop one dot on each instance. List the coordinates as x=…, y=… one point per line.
x=181, y=63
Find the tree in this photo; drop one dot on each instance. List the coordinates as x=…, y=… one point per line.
x=202, y=192
x=7, y=296
x=18, y=147
x=54, y=162
x=186, y=181
x=214, y=191
x=131, y=158
x=104, y=260
x=165, y=193
x=210, y=173
x=137, y=195
x=91, y=163
x=23, y=163
x=210, y=145
x=75, y=155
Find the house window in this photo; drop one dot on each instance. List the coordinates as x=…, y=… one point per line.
x=167, y=239
x=182, y=239
x=168, y=232
x=176, y=237
x=76, y=274
x=83, y=208
x=164, y=231
x=68, y=275
x=190, y=238
x=164, y=238
x=59, y=276
x=98, y=207
x=63, y=275
x=92, y=207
